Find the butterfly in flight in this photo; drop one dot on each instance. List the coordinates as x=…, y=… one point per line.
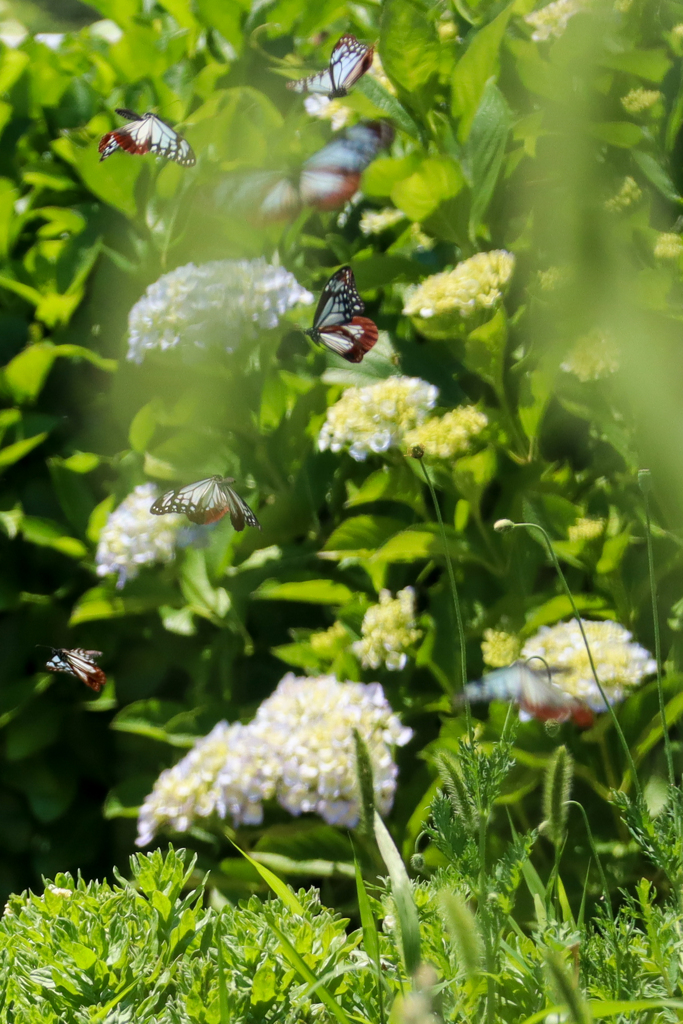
x=336, y=323
x=331, y=176
x=349, y=62
x=147, y=134
x=207, y=501
x=78, y=663
x=532, y=691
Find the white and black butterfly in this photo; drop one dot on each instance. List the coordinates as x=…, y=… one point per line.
x=336, y=323
x=532, y=691
x=349, y=62
x=331, y=176
x=147, y=134
x=79, y=663
x=207, y=501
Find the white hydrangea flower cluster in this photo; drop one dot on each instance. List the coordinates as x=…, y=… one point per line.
x=476, y=284
x=374, y=222
x=389, y=630
x=620, y=664
x=669, y=246
x=377, y=417
x=230, y=771
x=552, y=19
x=446, y=436
x=593, y=357
x=132, y=536
x=299, y=748
x=638, y=100
x=222, y=302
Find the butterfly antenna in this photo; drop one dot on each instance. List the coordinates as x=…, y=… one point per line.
x=538, y=657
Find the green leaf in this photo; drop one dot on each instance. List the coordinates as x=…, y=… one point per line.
x=12, y=453
x=113, y=181
x=159, y=720
x=473, y=473
x=437, y=179
x=475, y=68
x=624, y=134
x=25, y=375
x=279, y=887
x=307, y=974
x=48, y=534
x=402, y=892
x=384, y=101
x=651, y=65
x=485, y=350
x=408, y=44
x=485, y=151
x=362, y=534
x=308, y=591
x=656, y=174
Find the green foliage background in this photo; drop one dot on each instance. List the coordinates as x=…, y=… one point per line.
x=501, y=142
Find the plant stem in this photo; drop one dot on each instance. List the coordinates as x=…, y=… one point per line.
x=570, y=596
x=454, y=589
x=655, y=620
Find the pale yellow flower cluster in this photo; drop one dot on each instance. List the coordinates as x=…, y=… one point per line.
x=447, y=435
x=389, y=630
x=586, y=529
x=629, y=194
x=620, y=664
x=638, y=100
x=374, y=222
x=476, y=284
x=377, y=417
x=677, y=32
x=327, y=643
x=593, y=357
x=499, y=649
x=299, y=748
x=669, y=246
x=552, y=19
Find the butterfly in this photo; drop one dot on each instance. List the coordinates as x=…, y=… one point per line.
x=207, y=501
x=336, y=323
x=349, y=62
x=79, y=663
x=147, y=134
x=533, y=693
x=331, y=176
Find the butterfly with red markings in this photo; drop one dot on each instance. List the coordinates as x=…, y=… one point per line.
x=147, y=134
x=336, y=323
x=78, y=663
x=207, y=501
x=331, y=176
x=349, y=62
x=532, y=691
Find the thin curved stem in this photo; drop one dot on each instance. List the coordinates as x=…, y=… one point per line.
x=570, y=596
x=658, y=642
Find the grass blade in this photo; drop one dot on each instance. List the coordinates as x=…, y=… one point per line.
x=370, y=936
x=279, y=887
x=307, y=974
x=402, y=892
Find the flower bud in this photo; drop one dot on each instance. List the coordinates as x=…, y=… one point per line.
x=503, y=525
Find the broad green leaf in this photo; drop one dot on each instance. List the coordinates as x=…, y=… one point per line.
x=651, y=65
x=48, y=534
x=624, y=134
x=559, y=607
x=437, y=179
x=159, y=720
x=417, y=544
x=485, y=151
x=402, y=891
x=362, y=533
x=474, y=69
x=263, y=986
x=112, y=181
x=8, y=196
x=12, y=453
x=308, y=591
x=384, y=101
x=225, y=18
x=408, y=44
x=25, y=375
x=657, y=175
x=473, y=473
x=485, y=350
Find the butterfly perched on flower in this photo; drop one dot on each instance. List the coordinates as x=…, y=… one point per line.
x=532, y=691
x=349, y=62
x=78, y=663
x=207, y=501
x=147, y=134
x=331, y=176
x=336, y=323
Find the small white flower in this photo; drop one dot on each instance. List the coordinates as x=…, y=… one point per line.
x=388, y=631
x=552, y=19
x=620, y=664
x=335, y=111
x=377, y=417
x=593, y=357
x=223, y=303
x=374, y=222
x=132, y=536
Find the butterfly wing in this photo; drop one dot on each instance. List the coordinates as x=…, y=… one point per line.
x=202, y=502
x=240, y=513
x=78, y=663
x=281, y=199
x=165, y=141
x=349, y=62
x=532, y=691
x=350, y=340
x=147, y=134
x=339, y=301
x=327, y=188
